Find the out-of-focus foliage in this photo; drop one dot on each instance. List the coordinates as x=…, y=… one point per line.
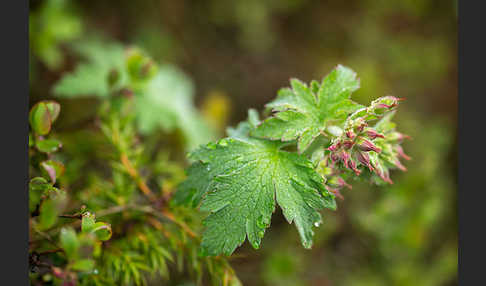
x=92, y=78
x=163, y=94
x=54, y=23
x=403, y=234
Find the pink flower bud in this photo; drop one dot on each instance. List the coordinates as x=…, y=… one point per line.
x=387, y=102
x=399, y=165
x=385, y=176
x=367, y=146
x=56, y=271
x=350, y=134
x=343, y=183
x=334, y=157
x=364, y=159
x=401, y=136
x=345, y=157
x=353, y=167
x=335, y=192
x=334, y=147
x=401, y=153
x=361, y=127
x=348, y=144
x=372, y=134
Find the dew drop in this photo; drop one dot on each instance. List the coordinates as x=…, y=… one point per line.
x=262, y=222
x=255, y=244
x=261, y=233
x=211, y=145
x=223, y=143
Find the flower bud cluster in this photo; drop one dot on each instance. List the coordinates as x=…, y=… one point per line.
x=389, y=157
x=334, y=181
x=353, y=146
x=375, y=148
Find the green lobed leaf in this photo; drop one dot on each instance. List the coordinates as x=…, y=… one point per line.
x=190, y=191
x=167, y=103
x=302, y=113
x=247, y=178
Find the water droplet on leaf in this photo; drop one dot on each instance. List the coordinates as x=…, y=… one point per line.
x=261, y=233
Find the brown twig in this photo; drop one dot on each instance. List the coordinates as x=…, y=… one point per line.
x=77, y=216
x=166, y=213
x=163, y=214
x=51, y=251
x=146, y=190
x=136, y=176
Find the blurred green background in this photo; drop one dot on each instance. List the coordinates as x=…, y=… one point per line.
x=239, y=53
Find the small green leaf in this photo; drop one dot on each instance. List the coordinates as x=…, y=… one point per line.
x=48, y=145
x=53, y=169
x=40, y=118
x=102, y=230
x=70, y=243
x=48, y=214
x=83, y=265
x=140, y=67
x=54, y=109
x=87, y=222
x=34, y=199
x=51, y=207
x=37, y=186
